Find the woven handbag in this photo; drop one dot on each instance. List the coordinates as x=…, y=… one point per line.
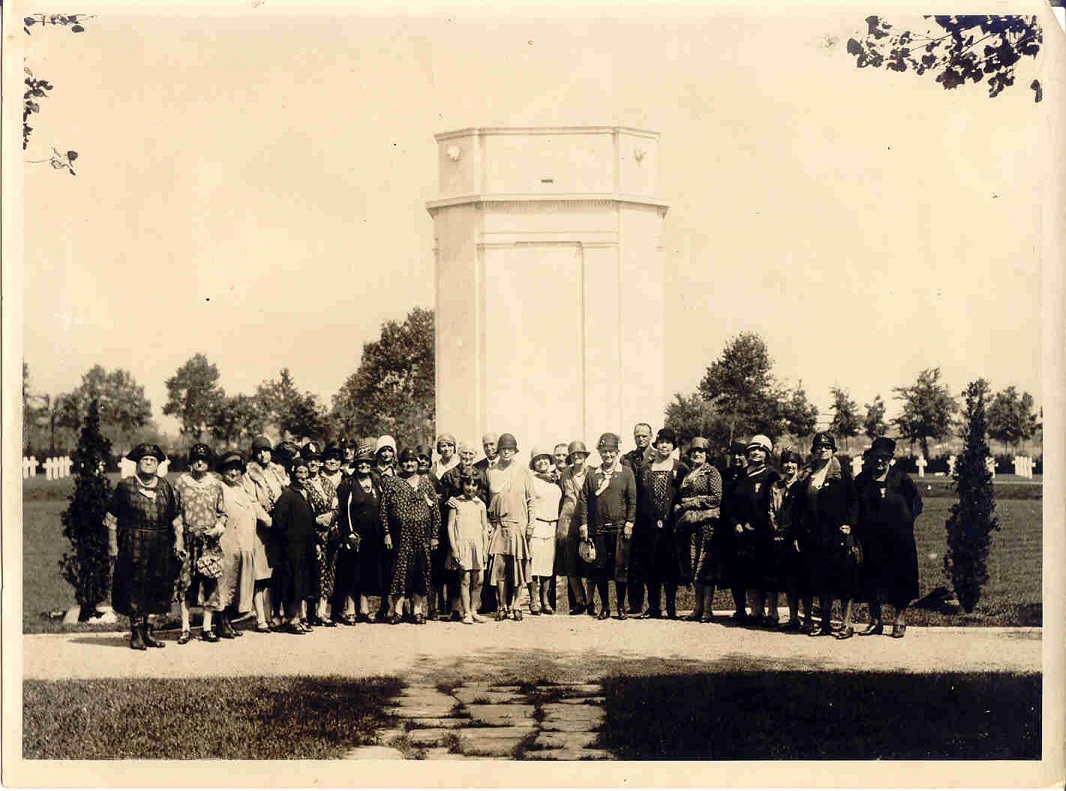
x=209, y=564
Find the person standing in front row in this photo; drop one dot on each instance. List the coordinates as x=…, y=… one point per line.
x=492, y=458
x=749, y=519
x=468, y=530
x=510, y=510
x=726, y=539
x=567, y=561
x=542, y=536
x=889, y=503
x=654, y=535
x=608, y=509
x=825, y=509
x=637, y=459
x=145, y=541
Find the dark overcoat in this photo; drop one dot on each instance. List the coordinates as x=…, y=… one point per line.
x=817, y=516
x=887, y=511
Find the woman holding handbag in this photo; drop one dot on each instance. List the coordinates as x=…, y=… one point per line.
x=203, y=512
x=698, y=510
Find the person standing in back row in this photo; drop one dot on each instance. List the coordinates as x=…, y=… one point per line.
x=607, y=508
x=637, y=459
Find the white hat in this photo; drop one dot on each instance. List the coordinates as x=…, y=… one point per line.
x=385, y=442
x=761, y=441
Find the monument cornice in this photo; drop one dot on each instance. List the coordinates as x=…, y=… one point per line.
x=544, y=130
x=543, y=202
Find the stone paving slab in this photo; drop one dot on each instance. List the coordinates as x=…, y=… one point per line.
x=554, y=740
x=485, y=694
x=436, y=722
x=473, y=743
x=422, y=710
x=423, y=737
x=501, y=713
x=504, y=731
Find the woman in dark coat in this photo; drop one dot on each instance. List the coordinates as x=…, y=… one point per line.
x=889, y=503
x=726, y=539
x=294, y=524
x=697, y=512
x=410, y=522
x=825, y=509
x=785, y=562
x=145, y=539
x=654, y=535
x=359, y=560
x=749, y=521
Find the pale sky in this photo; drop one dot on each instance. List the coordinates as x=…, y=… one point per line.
x=253, y=187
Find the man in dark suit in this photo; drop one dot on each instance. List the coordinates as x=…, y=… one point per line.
x=636, y=460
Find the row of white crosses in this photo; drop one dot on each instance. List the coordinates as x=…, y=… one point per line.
x=1023, y=466
x=126, y=468
x=54, y=468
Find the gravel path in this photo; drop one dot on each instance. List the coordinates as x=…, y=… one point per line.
x=560, y=648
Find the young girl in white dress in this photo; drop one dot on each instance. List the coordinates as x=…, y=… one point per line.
x=468, y=529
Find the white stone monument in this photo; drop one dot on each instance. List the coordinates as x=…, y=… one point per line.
x=921, y=464
x=549, y=285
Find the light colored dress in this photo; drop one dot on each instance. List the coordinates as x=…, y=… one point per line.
x=239, y=542
x=546, y=516
x=470, y=520
x=268, y=482
x=510, y=513
x=567, y=534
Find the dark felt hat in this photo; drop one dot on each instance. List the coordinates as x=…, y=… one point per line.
x=407, y=454
x=577, y=446
x=738, y=448
x=883, y=446
x=507, y=441
x=262, y=442
x=201, y=451
x=335, y=450
x=311, y=451
x=147, y=449
x=666, y=435
x=824, y=438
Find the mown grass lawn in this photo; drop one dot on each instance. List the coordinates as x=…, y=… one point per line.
x=181, y=719
x=1012, y=596
x=764, y=716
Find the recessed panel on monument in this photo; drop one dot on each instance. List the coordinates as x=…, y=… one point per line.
x=548, y=282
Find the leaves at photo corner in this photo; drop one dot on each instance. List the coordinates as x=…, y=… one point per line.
x=956, y=49
x=200, y=718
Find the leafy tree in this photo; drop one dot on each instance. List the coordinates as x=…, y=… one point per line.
x=845, y=422
x=1011, y=418
x=123, y=408
x=298, y=415
x=800, y=415
x=957, y=49
x=193, y=394
x=874, y=423
x=973, y=517
x=740, y=386
x=86, y=566
x=392, y=391
x=236, y=420
x=927, y=409
x=691, y=416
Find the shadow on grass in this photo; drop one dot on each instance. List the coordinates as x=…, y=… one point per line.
x=793, y=715
x=180, y=719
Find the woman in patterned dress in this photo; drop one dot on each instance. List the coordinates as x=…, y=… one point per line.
x=322, y=495
x=510, y=513
x=567, y=561
x=359, y=561
x=267, y=479
x=238, y=541
x=698, y=510
x=145, y=539
x=410, y=522
x=204, y=521
x=656, y=497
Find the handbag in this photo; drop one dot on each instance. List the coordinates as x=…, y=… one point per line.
x=586, y=550
x=209, y=564
x=854, y=551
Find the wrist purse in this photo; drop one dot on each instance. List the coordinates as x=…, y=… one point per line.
x=209, y=564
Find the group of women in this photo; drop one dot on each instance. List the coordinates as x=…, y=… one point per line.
x=303, y=537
